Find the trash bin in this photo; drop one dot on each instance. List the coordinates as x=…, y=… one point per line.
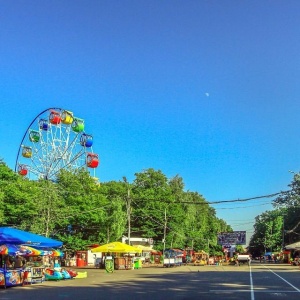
x=109, y=265
x=138, y=263
x=80, y=262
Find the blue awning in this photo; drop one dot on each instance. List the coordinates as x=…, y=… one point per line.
x=12, y=236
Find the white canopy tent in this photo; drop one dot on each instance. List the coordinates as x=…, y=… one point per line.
x=294, y=246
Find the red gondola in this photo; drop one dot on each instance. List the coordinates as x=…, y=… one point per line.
x=92, y=160
x=22, y=170
x=54, y=117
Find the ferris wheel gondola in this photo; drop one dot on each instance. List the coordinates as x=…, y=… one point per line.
x=55, y=140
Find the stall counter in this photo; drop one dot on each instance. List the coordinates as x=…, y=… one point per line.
x=34, y=274
x=11, y=277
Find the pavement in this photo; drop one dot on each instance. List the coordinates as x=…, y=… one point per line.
x=182, y=283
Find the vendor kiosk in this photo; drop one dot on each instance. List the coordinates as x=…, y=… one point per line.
x=15, y=243
x=11, y=277
x=172, y=257
x=123, y=263
x=34, y=271
x=200, y=258
x=30, y=272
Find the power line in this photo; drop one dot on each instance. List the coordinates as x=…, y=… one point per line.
x=248, y=199
x=216, y=202
x=239, y=207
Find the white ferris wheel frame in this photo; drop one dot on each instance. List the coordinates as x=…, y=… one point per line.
x=58, y=148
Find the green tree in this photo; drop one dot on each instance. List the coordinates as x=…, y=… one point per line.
x=288, y=203
x=17, y=195
x=151, y=196
x=267, y=232
x=115, y=211
x=82, y=209
x=49, y=208
x=78, y=211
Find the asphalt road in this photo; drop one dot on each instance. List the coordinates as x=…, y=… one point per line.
x=257, y=282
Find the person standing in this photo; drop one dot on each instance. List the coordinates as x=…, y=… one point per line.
x=8, y=262
x=18, y=262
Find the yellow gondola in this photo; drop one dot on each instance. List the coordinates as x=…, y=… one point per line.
x=67, y=117
x=26, y=151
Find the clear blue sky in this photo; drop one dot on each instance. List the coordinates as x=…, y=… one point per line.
x=208, y=90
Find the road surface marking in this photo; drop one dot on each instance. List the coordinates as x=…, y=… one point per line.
x=283, y=279
x=251, y=284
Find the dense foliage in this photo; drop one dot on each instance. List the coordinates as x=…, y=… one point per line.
x=281, y=226
x=79, y=211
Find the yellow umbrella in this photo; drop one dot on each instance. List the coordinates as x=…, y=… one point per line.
x=144, y=248
x=116, y=247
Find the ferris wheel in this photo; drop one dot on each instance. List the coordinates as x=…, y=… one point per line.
x=55, y=140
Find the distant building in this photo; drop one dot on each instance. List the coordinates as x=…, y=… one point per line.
x=134, y=241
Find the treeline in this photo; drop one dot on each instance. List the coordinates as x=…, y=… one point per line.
x=275, y=229
x=79, y=211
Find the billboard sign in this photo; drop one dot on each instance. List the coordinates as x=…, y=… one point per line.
x=232, y=238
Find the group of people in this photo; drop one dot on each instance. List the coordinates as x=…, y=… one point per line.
x=18, y=262
x=295, y=261
x=270, y=258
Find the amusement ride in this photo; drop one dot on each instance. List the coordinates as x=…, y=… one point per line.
x=55, y=140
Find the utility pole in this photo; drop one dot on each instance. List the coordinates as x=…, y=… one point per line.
x=208, y=248
x=282, y=232
x=129, y=214
x=165, y=230
x=128, y=205
x=271, y=238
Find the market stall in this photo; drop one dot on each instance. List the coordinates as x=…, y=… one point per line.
x=24, y=264
x=173, y=257
x=39, y=262
x=123, y=263
x=200, y=258
x=117, y=255
x=10, y=275
x=146, y=253
x=156, y=257
x=20, y=262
